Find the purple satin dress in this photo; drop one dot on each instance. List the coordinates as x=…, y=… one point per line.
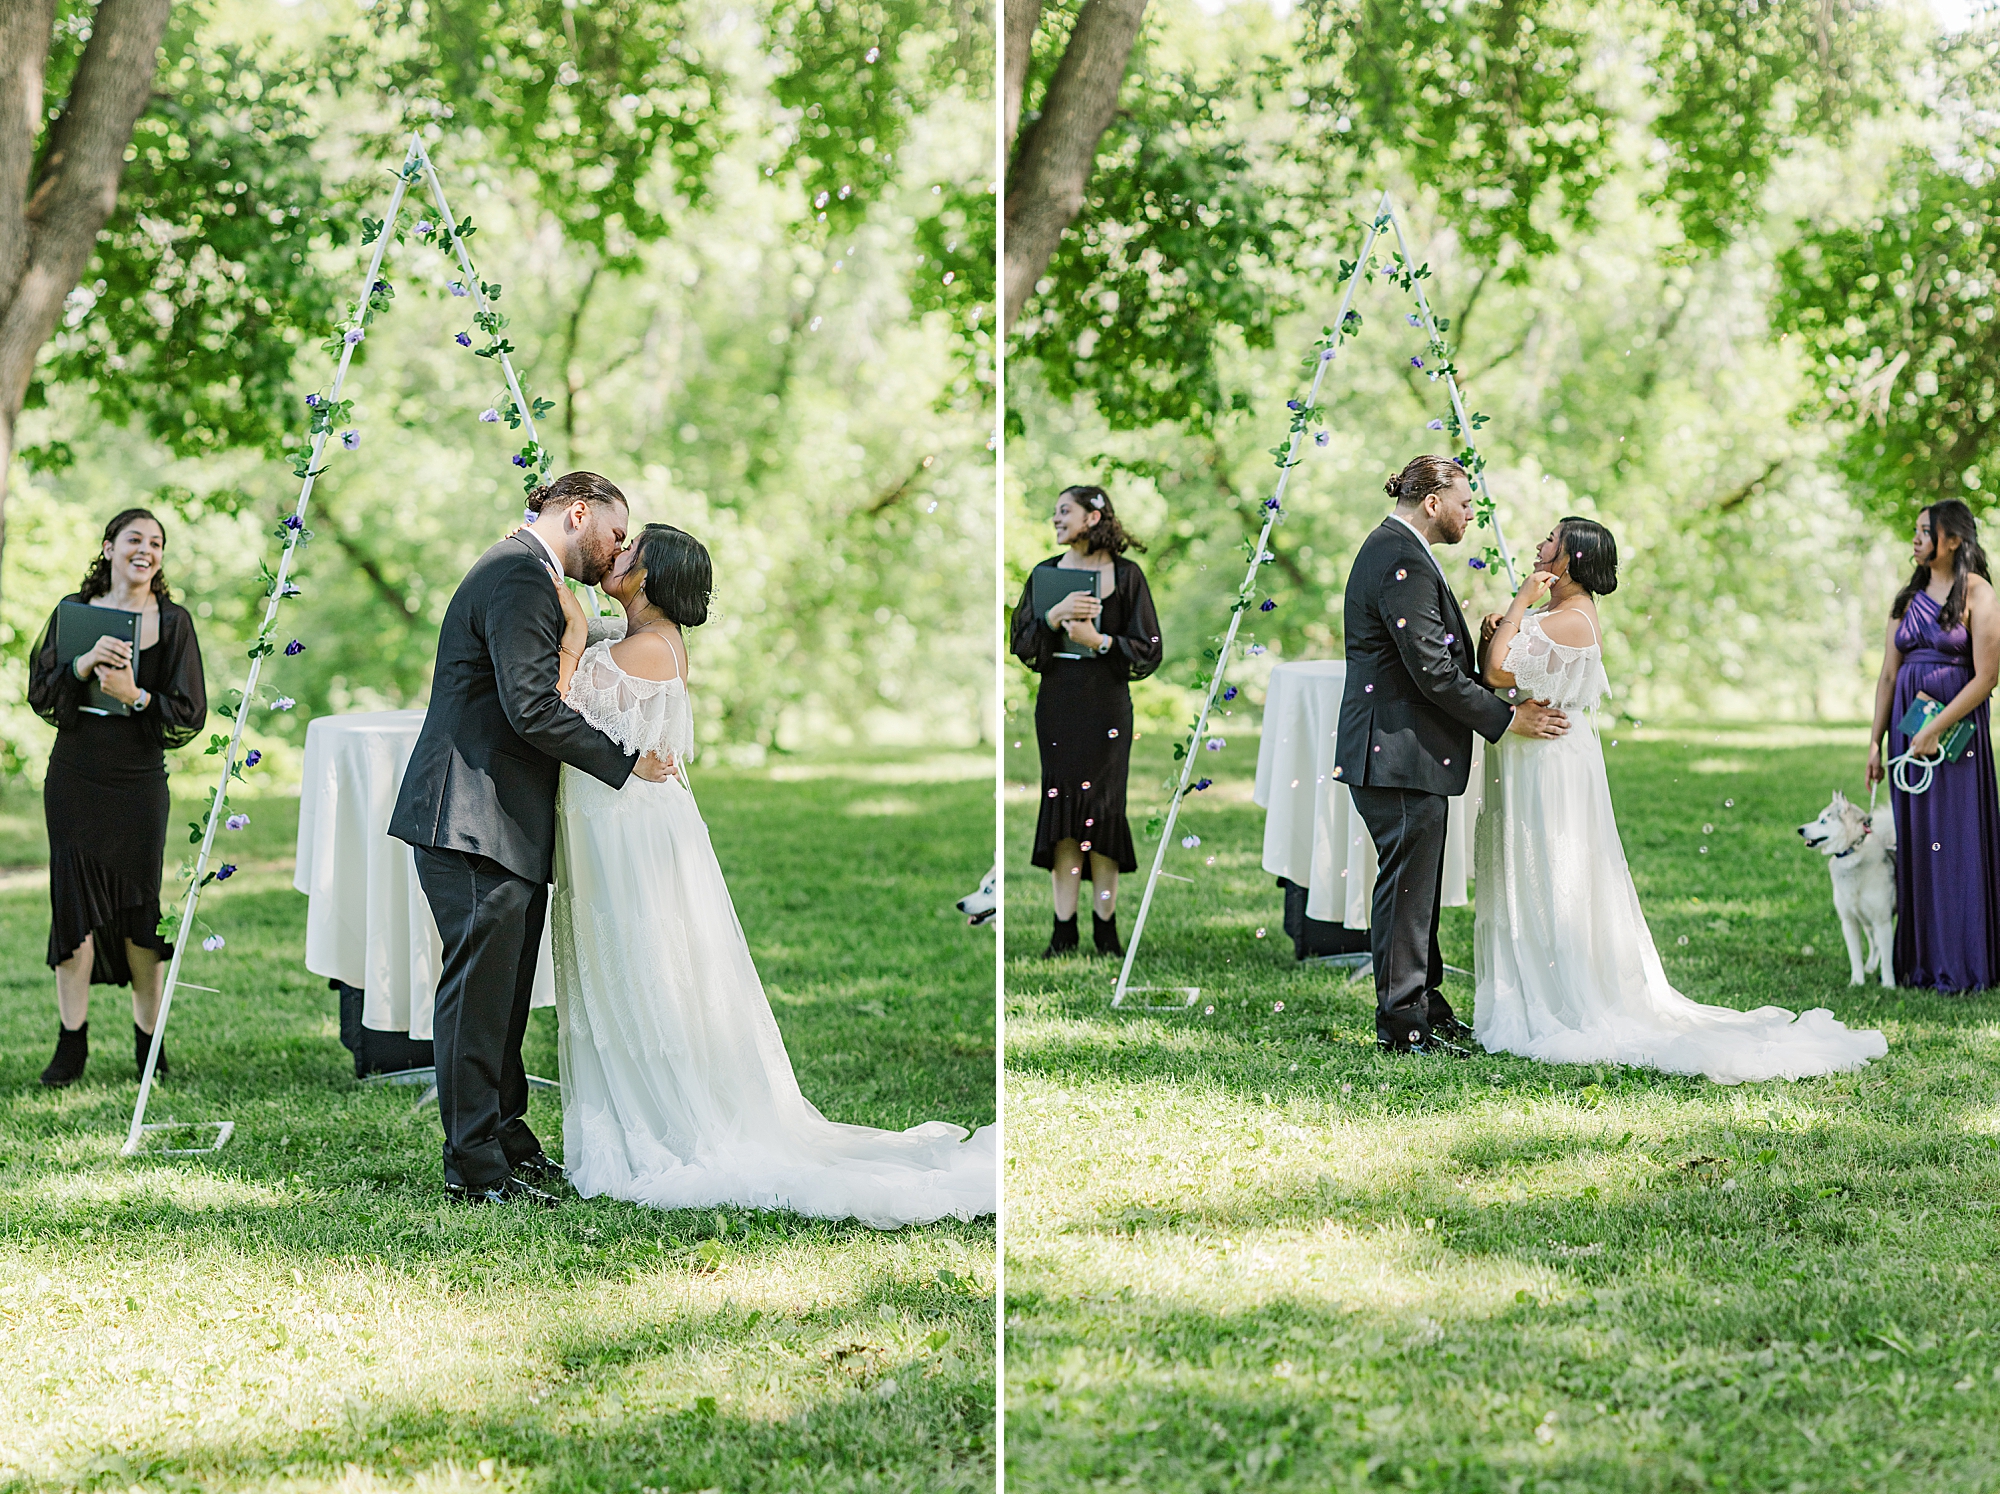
x=1947, y=840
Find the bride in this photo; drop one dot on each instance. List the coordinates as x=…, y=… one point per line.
x=1567, y=968
x=677, y=1091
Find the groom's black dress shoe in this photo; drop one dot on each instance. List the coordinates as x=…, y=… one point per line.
x=1452, y=1028
x=541, y=1171
x=506, y=1191
x=1433, y=1046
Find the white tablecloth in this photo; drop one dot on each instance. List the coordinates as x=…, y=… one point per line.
x=367, y=923
x=1312, y=835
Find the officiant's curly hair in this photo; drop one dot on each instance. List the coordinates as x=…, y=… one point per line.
x=571, y=486
x=1107, y=535
x=679, y=578
x=1593, y=555
x=97, y=580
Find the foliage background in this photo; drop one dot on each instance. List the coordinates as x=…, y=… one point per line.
x=1675, y=241
x=802, y=389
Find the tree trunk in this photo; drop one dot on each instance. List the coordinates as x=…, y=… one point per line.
x=47, y=232
x=1052, y=167
x=1022, y=17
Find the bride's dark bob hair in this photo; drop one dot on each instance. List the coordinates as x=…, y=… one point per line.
x=678, y=575
x=1593, y=555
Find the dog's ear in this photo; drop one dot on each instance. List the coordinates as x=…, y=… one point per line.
x=1839, y=799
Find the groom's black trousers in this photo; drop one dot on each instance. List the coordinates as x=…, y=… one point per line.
x=1408, y=828
x=491, y=923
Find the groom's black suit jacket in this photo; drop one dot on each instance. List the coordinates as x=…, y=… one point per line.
x=483, y=776
x=1413, y=696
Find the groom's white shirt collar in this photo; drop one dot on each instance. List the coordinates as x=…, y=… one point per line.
x=548, y=549
x=1420, y=539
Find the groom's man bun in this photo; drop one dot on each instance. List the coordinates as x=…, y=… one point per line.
x=1421, y=477
x=571, y=486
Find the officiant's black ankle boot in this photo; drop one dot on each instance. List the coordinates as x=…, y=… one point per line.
x=1104, y=934
x=142, y=1043
x=1063, y=940
x=72, y=1053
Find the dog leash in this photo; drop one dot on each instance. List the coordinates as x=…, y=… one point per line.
x=1898, y=766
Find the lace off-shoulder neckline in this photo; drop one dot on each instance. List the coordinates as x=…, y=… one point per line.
x=602, y=651
x=1574, y=649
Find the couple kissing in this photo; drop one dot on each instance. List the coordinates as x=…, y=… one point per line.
x=548, y=756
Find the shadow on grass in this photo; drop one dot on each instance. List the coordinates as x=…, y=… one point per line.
x=618, y=1411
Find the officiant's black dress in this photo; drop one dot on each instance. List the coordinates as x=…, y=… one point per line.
x=1083, y=718
x=105, y=798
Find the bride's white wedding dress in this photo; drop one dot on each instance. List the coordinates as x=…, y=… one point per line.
x=1567, y=971
x=677, y=1091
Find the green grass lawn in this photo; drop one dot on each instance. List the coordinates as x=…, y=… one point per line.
x=302, y=1311
x=1246, y=1251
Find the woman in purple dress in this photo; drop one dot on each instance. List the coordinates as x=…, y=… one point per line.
x=1944, y=645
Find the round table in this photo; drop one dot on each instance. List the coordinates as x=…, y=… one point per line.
x=1312, y=836
x=367, y=924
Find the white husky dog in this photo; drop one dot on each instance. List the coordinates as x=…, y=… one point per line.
x=1861, y=854
x=979, y=907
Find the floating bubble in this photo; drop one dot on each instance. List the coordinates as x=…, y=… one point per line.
x=1728, y=803
x=1278, y=1006
x=1805, y=949
x=1260, y=933
x=1708, y=829
x=1682, y=940
x=1401, y=574
x=1208, y=1011
x=1704, y=850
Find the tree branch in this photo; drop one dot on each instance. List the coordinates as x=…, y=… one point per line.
x=24, y=60
x=1052, y=168
x=1022, y=17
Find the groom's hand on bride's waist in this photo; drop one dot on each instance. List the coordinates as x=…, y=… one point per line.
x=654, y=768
x=1537, y=718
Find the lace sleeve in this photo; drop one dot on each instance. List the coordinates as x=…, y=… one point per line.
x=639, y=715
x=1546, y=670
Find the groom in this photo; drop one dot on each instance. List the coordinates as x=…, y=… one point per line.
x=477, y=807
x=1412, y=701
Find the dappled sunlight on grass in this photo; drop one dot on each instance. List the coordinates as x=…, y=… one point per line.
x=303, y=1310
x=1248, y=1250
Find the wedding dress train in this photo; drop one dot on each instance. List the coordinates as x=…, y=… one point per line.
x=677, y=1090
x=1567, y=970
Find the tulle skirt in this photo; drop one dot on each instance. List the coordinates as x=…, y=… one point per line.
x=1567, y=969
x=677, y=1091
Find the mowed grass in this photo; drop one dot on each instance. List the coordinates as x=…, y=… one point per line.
x=1245, y=1251
x=301, y=1310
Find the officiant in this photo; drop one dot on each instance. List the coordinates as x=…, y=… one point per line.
x=118, y=674
x=1085, y=623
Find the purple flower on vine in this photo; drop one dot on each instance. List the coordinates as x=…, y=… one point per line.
x=313, y=401
x=283, y=703
x=1321, y=438
x=380, y=285
x=294, y=648
x=1269, y=606
x=227, y=871
x=1202, y=784
x=519, y=460
x=212, y=943
x=252, y=758
x=489, y=416
x=1436, y=425
x=1292, y=404
x=1412, y=318
x=350, y=439
x=423, y=226
x=1271, y=504
x=1416, y=363
x=236, y=822
x=1476, y=563
x=355, y=336
x=458, y=288
x=463, y=339
x=293, y=521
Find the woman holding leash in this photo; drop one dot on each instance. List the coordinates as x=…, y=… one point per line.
x=1942, y=655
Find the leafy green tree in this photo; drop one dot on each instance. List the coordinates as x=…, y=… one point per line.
x=1896, y=315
